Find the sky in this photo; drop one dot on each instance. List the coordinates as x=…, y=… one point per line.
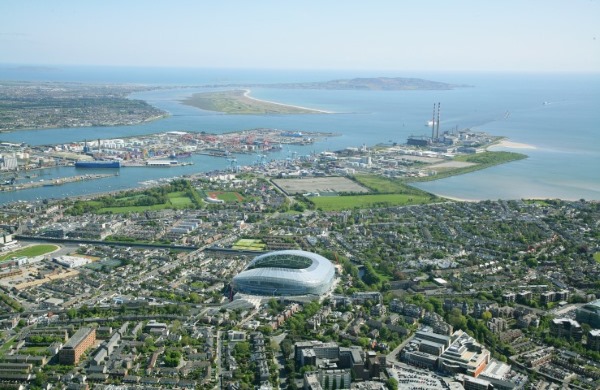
x=426, y=35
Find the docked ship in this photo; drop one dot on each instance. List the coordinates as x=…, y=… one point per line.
x=180, y=155
x=98, y=164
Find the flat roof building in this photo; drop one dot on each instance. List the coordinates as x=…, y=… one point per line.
x=465, y=355
x=567, y=328
x=76, y=346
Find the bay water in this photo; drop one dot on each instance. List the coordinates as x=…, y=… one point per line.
x=557, y=114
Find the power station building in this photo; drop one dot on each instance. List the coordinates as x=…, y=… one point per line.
x=286, y=273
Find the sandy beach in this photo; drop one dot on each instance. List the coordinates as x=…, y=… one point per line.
x=456, y=199
x=512, y=145
x=247, y=95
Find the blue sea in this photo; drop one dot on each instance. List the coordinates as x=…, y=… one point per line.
x=557, y=114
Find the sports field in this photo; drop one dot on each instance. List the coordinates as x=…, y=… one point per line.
x=30, y=251
x=335, y=184
x=226, y=196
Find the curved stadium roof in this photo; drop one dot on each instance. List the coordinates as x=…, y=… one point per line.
x=289, y=272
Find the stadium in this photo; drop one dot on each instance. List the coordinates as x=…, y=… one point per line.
x=286, y=273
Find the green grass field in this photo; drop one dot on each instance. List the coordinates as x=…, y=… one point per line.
x=31, y=251
x=389, y=192
x=336, y=203
x=490, y=158
x=597, y=256
x=481, y=160
x=249, y=245
x=36, y=351
x=177, y=200
x=133, y=209
x=384, y=185
x=7, y=346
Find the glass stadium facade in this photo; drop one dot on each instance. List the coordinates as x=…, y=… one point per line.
x=289, y=272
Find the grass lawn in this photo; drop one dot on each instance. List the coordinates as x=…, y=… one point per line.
x=490, y=158
x=177, y=200
x=384, y=185
x=179, y=194
x=597, y=256
x=249, y=244
x=482, y=160
x=335, y=203
x=37, y=351
x=7, y=346
x=133, y=209
x=390, y=192
x=129, y=198
x=30, y=251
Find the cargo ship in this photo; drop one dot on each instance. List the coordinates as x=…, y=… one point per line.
x=98, y=164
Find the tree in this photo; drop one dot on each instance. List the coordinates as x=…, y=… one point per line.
x=437, y=305
x=586, y=328
x=41, y=378
x=371, y=277
x=306, y=368
x=363, y=342
x=391, y=384
x=194, y=297
x=486, y=315
x=456, y=319
x=172, y=358
x=71, y=313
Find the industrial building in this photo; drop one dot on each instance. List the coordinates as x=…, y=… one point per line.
x=71, y=261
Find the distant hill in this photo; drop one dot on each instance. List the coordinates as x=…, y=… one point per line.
x=369, y=84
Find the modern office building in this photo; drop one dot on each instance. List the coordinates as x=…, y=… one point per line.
x=589, y=314
x=593, y=340
x=465, y=355
x=287, y=273
x=566, y=328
